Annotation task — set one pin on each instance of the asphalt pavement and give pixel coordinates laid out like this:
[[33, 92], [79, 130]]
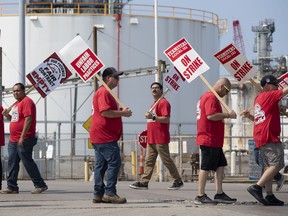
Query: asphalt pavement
[[74, 197]]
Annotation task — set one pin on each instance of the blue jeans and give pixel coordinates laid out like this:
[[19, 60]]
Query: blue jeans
[[17, 153], [107, 160]]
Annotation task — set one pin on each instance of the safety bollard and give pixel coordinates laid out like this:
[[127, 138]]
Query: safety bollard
[[133, 162], [86, 170], [141, 160], [233, 163]]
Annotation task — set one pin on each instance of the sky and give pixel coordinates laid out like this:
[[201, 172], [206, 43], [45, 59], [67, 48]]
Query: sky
[[248, 12]]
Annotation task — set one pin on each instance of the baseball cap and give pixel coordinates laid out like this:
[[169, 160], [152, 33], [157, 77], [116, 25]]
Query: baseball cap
[[111, 71], [269, 79]]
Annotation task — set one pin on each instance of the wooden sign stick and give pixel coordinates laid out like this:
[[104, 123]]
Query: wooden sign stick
[[215, 93], [110, 91], [156, 103], [256, 85]]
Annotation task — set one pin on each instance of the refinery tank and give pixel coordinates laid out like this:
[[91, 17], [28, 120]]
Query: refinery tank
[[126, 41]]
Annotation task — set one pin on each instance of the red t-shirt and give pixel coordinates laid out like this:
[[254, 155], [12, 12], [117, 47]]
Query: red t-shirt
[[267, 118], [158, 133], [209, 133], [2, 134], [104, 130], [26, 107]]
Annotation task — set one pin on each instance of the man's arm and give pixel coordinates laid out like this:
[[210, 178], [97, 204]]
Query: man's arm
[[116, 113], [5, 113], [221, 116]]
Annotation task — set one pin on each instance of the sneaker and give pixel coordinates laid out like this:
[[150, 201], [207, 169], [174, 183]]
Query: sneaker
[[39, 190], [280, 183], [200, 200], [224, 198], [97, 199], [176, 185], [256, 191], [9, 191], [271, 200], [139, 185], [113, 199]]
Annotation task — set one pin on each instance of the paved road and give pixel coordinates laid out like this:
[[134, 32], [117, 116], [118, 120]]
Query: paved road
[[74, 197]]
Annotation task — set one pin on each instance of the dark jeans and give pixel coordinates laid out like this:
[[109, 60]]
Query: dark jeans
[[259, 161], [107, 160], [17, 153]]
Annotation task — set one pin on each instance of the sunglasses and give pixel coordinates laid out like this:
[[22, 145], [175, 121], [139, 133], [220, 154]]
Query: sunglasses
[[227, 89]]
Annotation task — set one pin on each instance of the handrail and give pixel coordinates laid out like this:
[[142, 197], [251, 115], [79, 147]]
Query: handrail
[[103, 9]]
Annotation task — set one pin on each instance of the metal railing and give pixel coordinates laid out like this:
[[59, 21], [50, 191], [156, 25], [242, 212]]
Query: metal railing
[[104, 9], [55, 160]]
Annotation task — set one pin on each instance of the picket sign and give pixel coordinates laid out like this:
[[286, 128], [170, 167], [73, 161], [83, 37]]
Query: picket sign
[[47, 76], [84, 62], [237, 65], [190, 64]]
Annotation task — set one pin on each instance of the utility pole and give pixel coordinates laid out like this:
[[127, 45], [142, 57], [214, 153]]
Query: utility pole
[[96, 85], [22, 41]]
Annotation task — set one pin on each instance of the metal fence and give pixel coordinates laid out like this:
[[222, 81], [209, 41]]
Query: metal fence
[[55, 160]]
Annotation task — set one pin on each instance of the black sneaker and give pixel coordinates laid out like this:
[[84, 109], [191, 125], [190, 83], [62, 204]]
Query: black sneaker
[[139, 185], [224, 198], [271, 200], [176, 185], [256, 191], [204, 200]]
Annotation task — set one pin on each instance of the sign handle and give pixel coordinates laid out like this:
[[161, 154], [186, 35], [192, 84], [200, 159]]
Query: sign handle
[[110, 91], [156, 103], [256, 85], [215, 93]]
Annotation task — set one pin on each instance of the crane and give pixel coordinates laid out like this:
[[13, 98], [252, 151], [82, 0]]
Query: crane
[[238, 38]]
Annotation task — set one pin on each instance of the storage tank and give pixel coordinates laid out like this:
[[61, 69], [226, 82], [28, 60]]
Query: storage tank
[[125, 42]]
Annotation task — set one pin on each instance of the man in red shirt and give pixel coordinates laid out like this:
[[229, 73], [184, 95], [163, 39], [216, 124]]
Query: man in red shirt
[[158, 139], [105, 131], [210, 138], [21, 142], [2, 143], [266, 136]]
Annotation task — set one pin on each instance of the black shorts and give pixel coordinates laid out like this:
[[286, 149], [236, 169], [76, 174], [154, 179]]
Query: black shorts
[[212, 158]]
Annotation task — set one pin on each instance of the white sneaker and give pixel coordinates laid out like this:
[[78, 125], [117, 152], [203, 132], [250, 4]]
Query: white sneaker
[[280, 183]]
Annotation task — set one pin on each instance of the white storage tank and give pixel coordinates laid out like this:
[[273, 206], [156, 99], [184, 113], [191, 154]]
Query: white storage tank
[[126, 42]]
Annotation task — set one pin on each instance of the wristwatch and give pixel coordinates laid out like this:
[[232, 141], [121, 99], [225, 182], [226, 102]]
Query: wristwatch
[[154, 117]]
